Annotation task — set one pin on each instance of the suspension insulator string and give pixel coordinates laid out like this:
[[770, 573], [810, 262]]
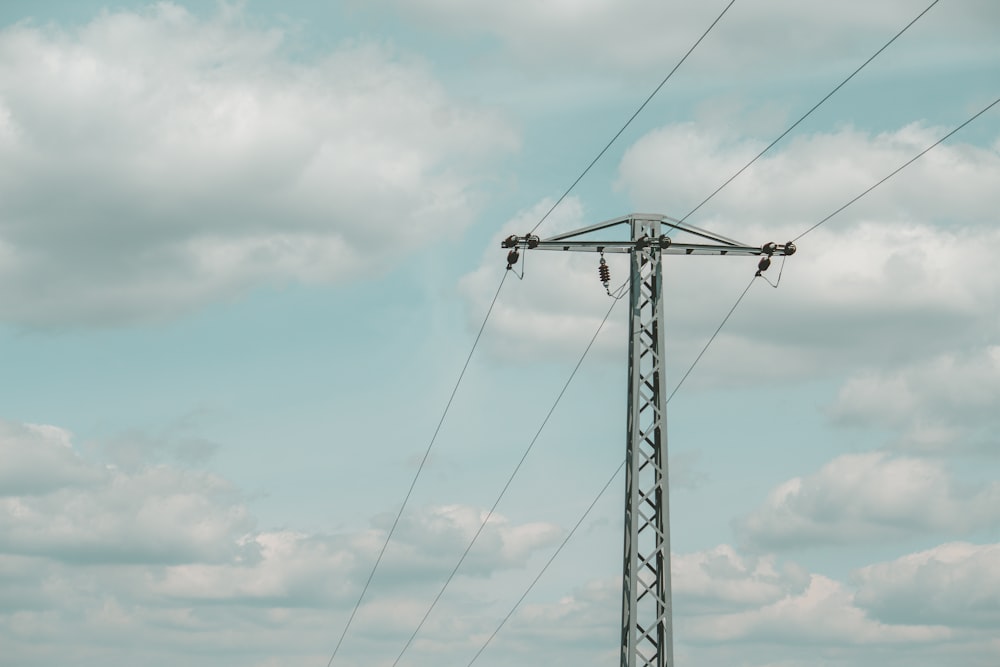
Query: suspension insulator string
[[604, 271]]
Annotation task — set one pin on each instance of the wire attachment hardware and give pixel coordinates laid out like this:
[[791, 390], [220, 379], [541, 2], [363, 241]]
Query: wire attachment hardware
[[529, 242]]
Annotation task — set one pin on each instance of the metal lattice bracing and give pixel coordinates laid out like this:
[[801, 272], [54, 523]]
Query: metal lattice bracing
[[647, 633], [647, 626]]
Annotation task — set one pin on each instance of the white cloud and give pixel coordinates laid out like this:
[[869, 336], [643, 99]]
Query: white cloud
[[294, 569], [157, 515], [153, 557], [705, 584], [770, 613], [139, 186], [811, 175], [721, 579], [870, 498], [38, 458], [823, 614], [435, 537], [902, 274], [146, 560], [944, 404], [632, 35], [956, 584], [583, 624]]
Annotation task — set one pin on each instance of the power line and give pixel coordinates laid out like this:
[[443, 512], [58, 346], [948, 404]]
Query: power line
[[698, 358], [603, 490], [676, 388], [737, 303], [543, 218], [486, 319], [547, 564], [690, 369], [506, 486], [712, 338], [808, 113], [629, 121], [903, 166], [416, 476]]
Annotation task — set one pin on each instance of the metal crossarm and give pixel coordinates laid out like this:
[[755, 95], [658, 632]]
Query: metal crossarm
[[647, 609]]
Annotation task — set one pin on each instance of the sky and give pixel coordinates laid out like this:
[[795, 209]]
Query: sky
[[246, 248]]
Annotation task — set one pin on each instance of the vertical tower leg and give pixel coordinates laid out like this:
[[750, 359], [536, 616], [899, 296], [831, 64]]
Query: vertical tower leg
[[647, 632]]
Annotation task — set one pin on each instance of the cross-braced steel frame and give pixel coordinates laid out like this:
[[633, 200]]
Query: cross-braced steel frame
[[647, 637], [647, 610]]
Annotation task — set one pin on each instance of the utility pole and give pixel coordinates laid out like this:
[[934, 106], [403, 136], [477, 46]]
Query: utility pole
[[647, 610]]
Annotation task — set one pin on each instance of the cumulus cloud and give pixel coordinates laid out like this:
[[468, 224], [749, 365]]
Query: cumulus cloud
[[57, 505], [899, 275], [823, 614], [811, 175], [869, 498], [895, 274], [39, 458], [956, 584], [721, 579], [771, 612], [946, 404], [583, 623], [292, 569], [437, 536], [76, 552], [138, 187], [706, 583], [166, 554], [748, 39], [53, 503]]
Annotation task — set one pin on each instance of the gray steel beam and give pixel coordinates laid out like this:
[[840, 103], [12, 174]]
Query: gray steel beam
[[628, 246], [647, 629]]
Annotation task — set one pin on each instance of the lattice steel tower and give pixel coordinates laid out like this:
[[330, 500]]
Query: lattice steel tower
[[647, 627]]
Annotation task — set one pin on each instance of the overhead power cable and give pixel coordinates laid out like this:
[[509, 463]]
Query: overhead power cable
[[603, 490], [416, 476], [903, 166], [506, 486], [631, 118], [808, 113], [486, 319], [695, 362], [712, 338], [547, 564]]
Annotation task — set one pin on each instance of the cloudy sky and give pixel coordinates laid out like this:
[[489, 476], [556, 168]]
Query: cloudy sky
[[245, 249]]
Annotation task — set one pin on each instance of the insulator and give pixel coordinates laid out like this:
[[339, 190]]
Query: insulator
[[605, 272], [532, 242], [510, 241], [790, 248], [665, 242], [763, 264], [512, 257], [641, 242], [769, 248]]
